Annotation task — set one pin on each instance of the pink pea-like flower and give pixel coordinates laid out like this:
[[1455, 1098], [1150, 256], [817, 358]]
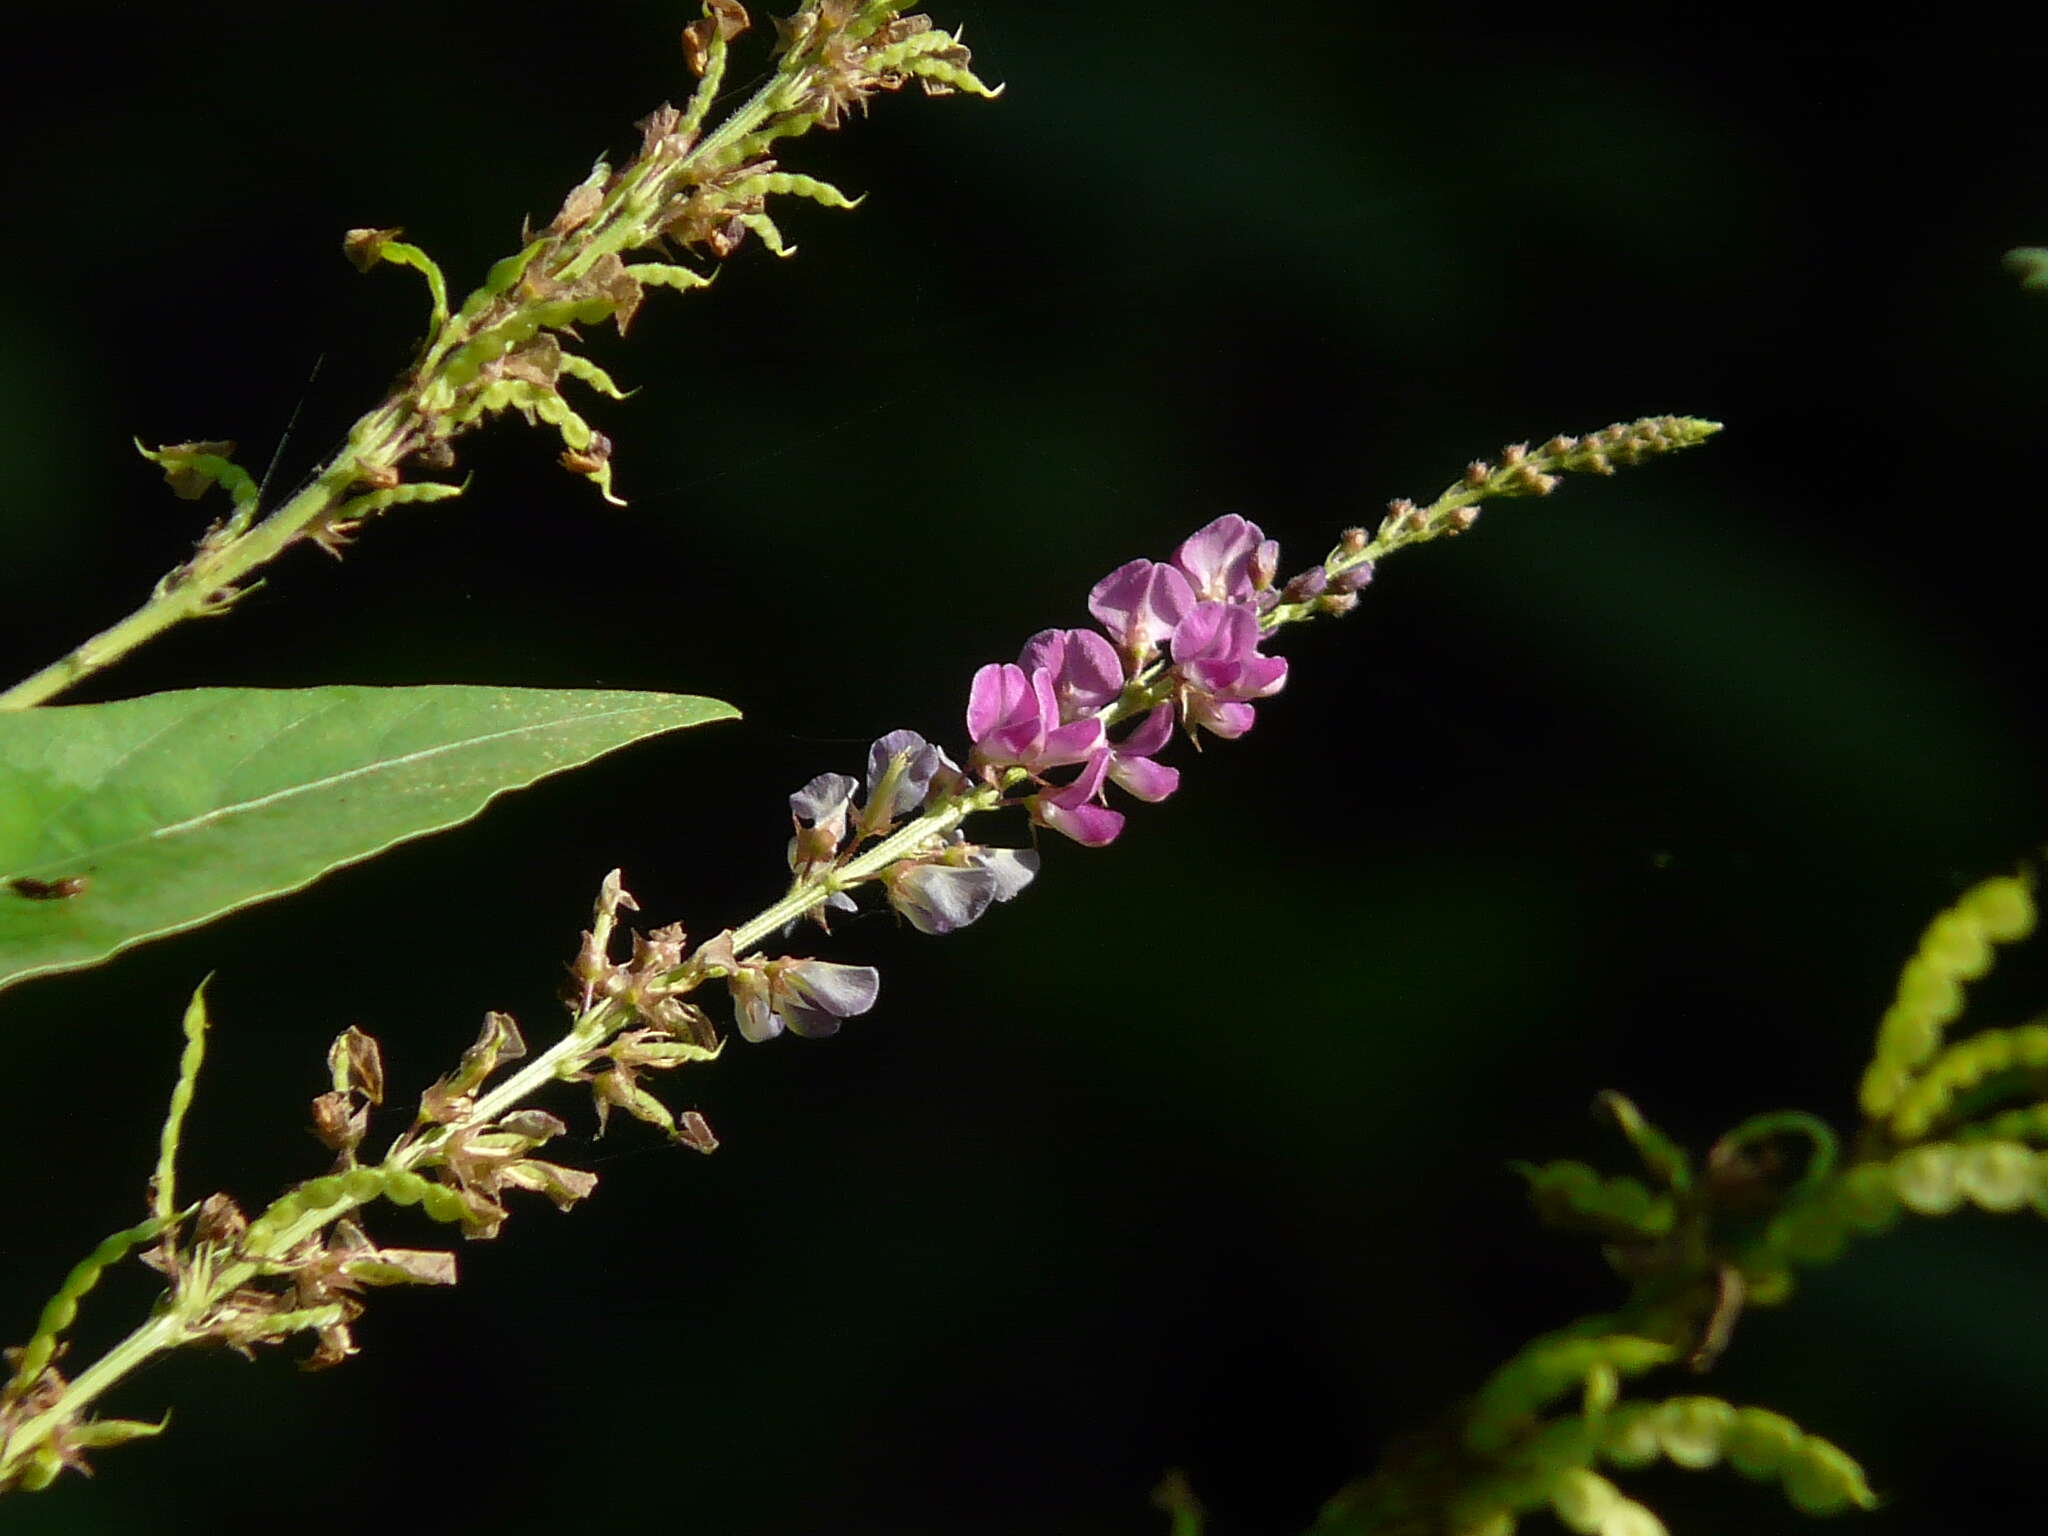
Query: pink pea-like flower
[[1139, 604], [1086, 675], [1229, 561], [1013, 719]]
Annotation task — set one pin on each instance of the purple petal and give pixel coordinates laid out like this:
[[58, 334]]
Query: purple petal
[[750, 1007], [1217, 560], [1093, 676], [1092, 826], [1085, 671], [1265, 564], [827, 987], [1047, 649], [1153, 732], [1203, 634], [1001, 693], [1139, 603], [921, 761], [1263, 676], [1143, 777], [1013, 868], [1117, 599], [1229, 721], [1070, 744], [823, 802]]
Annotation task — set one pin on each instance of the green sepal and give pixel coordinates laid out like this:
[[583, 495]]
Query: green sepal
[[790, 184], [618, 1089], [923, 56], [583, 369], [500, 280], [769, 232], [367, 505], [367, 247], [189, 468], [98, 1434], [662, 274]]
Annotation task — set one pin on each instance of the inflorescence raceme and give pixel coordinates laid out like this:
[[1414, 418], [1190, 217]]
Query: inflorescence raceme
[[1180, 644]]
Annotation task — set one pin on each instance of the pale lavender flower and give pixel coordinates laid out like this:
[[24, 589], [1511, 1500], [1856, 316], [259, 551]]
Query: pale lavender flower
[[942, 895], [891, 798], [822, 804], [809, 997], [1014, 718], [1139, 604], [1086, 675], [820, 811]]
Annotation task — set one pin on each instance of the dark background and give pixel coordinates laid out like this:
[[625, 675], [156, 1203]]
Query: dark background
[[1195, 1156]]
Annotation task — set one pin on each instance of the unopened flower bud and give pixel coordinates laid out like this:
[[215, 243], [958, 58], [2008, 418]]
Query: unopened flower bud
[[1354, 579], [1309, 583], [1354, 540], [1477, 473], [1264, 563], [1462, 518], [1335, 603]]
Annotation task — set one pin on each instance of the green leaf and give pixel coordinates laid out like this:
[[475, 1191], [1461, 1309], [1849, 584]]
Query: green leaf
[[124, 822]]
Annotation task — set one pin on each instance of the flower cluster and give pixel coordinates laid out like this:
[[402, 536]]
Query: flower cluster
[[1079, 709], [1179, 640], [1053, 707]]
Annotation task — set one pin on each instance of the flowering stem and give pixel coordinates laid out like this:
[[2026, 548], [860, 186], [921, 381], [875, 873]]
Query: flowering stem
[[188, 1311], [499, 351], [208, 583]]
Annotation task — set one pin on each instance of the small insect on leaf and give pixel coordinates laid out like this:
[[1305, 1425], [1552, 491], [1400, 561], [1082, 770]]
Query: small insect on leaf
[[49, 890]]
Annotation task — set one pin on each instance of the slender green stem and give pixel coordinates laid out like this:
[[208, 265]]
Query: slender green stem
[[185, 1306], [209, 582], [430, 405]]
